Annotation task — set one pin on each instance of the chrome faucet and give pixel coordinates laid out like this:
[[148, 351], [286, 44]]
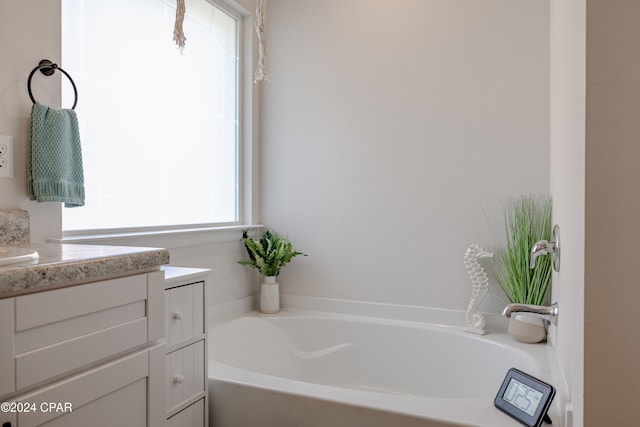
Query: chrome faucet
[[543, 247], [549, 313]]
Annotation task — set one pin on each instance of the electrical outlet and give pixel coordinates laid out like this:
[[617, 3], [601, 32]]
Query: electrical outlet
[[6, 156]]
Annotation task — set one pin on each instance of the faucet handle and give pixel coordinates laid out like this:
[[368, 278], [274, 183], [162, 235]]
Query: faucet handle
[[543, 247]]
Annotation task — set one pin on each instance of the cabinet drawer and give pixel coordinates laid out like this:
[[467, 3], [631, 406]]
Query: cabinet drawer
[[116, 391], [186, 374], [184, 312], [66, 329], [191, 416]]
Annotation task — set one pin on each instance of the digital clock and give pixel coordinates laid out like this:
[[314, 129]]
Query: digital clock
[[525, 398]]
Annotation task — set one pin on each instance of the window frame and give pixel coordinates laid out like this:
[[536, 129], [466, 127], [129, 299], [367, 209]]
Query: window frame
[[247, 94]]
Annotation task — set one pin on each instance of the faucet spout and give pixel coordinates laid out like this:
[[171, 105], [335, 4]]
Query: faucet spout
[[549, 313]]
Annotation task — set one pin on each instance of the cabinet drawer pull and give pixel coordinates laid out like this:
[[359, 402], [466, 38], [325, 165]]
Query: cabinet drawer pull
[[177, 315], [178, 378]]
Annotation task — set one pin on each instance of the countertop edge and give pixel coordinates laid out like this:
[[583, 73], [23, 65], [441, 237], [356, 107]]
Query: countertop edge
[[101, 262]]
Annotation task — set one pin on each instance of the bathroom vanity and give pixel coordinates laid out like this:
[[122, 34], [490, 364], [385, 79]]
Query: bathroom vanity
[[82, 337]]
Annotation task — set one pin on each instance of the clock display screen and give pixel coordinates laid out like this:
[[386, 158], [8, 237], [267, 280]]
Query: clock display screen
[[522, 396]]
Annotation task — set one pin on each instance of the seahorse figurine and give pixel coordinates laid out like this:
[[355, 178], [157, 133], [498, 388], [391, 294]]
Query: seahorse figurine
[[480, 286]]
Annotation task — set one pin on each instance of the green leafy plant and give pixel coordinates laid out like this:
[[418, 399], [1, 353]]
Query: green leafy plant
[[268, 254], [527, 220]]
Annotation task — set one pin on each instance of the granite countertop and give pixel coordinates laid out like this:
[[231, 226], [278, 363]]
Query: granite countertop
[[70, 264]]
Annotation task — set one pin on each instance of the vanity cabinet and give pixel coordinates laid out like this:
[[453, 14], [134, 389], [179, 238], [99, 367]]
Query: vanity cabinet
[[186, 351], [90, 354]]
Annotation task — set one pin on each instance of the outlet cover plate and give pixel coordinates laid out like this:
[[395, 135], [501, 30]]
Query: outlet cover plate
[[6, 156]]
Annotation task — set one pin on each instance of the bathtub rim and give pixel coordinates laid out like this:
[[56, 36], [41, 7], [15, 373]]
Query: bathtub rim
[[432, 315]]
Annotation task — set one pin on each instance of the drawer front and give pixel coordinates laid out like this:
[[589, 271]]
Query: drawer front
[[116, 391], [185, 374], [184, 312], [191, 416], [66, 329], [55, 360], [53, 306]]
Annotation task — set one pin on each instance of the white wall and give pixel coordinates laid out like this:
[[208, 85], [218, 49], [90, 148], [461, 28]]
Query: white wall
[[390, 129], [29, 32], [568, 187]]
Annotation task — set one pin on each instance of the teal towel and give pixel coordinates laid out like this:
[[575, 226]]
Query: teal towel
[[54, 157]]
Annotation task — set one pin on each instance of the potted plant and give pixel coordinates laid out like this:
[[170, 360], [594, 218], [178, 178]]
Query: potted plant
[[527, 220], [268, 255]]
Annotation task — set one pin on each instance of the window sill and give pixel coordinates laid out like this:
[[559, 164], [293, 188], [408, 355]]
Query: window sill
[[168, 239]]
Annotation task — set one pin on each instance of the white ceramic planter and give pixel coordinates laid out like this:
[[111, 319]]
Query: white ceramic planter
[[527, 329], [269, 295]]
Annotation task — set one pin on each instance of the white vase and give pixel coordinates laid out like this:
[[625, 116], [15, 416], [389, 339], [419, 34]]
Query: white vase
[[269, 295], [529, 329]]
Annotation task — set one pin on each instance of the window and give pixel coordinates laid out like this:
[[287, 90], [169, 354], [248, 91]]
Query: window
[[159, 129]]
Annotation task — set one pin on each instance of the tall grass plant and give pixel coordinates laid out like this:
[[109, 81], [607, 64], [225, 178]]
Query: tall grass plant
[[527, 220]]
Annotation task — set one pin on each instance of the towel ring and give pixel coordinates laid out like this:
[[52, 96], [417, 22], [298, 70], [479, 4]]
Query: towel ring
[[47, 68]]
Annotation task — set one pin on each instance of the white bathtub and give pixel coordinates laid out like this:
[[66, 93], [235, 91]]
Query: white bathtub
[[324, 369]]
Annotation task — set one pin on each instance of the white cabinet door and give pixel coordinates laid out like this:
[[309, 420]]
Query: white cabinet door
[[66, 347], [185, 374], [109, 395], [124, 407], [7, 318], [191, 416], [184, 313], [65, 329]]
